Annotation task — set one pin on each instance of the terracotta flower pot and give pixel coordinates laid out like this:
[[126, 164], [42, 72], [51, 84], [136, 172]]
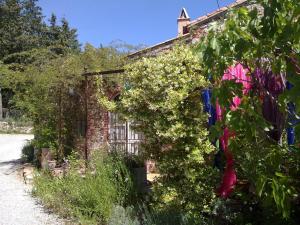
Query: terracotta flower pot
[[45, 158], [51, 164]]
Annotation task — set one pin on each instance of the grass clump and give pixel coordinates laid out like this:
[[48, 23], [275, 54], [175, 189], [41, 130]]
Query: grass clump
[[89, 196], [123, 216]]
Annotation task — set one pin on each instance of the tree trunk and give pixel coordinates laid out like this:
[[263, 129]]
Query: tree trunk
[[1, 109]]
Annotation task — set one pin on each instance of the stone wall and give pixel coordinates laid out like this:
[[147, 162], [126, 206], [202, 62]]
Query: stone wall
[[12, 127]]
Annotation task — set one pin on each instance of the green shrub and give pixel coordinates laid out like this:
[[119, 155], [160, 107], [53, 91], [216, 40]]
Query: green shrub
[[123, 216], [28, 152], [165, 97], [144, 215], [89, 197]]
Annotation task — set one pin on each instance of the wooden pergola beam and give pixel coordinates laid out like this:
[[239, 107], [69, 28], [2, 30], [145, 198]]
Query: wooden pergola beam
[[106, 72]]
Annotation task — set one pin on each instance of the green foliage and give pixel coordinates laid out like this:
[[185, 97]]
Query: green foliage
[[164, 96], [22, 29], [123, 216], [147, 216], [27, 40], [28, 152], [51, 93], [266, 37], [165, 216], [89, 197]]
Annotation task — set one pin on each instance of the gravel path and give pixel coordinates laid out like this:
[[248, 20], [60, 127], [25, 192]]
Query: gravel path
[[17, 207]]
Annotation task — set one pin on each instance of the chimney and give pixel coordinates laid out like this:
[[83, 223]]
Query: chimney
[[182, 22]]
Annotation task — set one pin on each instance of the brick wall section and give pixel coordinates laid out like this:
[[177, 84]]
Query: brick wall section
[[97, 117], [94, 117]]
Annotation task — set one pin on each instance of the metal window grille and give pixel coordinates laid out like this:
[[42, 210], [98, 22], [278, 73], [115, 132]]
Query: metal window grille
[[122, 136]]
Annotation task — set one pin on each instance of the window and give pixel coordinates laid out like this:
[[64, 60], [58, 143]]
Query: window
[[122, 136]]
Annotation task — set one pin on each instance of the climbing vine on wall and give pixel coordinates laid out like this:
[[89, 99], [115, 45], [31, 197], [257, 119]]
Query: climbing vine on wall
[[164, 96]]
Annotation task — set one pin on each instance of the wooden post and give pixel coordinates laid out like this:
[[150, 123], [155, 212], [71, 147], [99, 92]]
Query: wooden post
[[60, 125], [86, 120], [126, 136]]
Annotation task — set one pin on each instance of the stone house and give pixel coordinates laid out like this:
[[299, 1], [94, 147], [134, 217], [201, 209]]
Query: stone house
[[105, 128]]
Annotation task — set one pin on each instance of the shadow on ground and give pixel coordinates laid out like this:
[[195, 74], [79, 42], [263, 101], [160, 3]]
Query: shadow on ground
[[11, 166]]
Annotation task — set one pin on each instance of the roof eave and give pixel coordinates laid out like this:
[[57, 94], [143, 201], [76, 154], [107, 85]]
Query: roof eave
[[153, 47]]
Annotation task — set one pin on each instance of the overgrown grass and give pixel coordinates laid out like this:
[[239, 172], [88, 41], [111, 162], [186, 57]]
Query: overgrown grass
[[91, 197], [143, 215], [104, 194]]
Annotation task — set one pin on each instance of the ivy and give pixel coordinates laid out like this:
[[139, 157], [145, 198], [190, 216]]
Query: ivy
[[165, 98]]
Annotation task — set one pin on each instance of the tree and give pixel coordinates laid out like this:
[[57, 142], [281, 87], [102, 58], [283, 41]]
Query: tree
[[61, 39], [10, 27], [33, 24], [26, 39], [20, 28], [4, 72], [68, 36], [42, 91]]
